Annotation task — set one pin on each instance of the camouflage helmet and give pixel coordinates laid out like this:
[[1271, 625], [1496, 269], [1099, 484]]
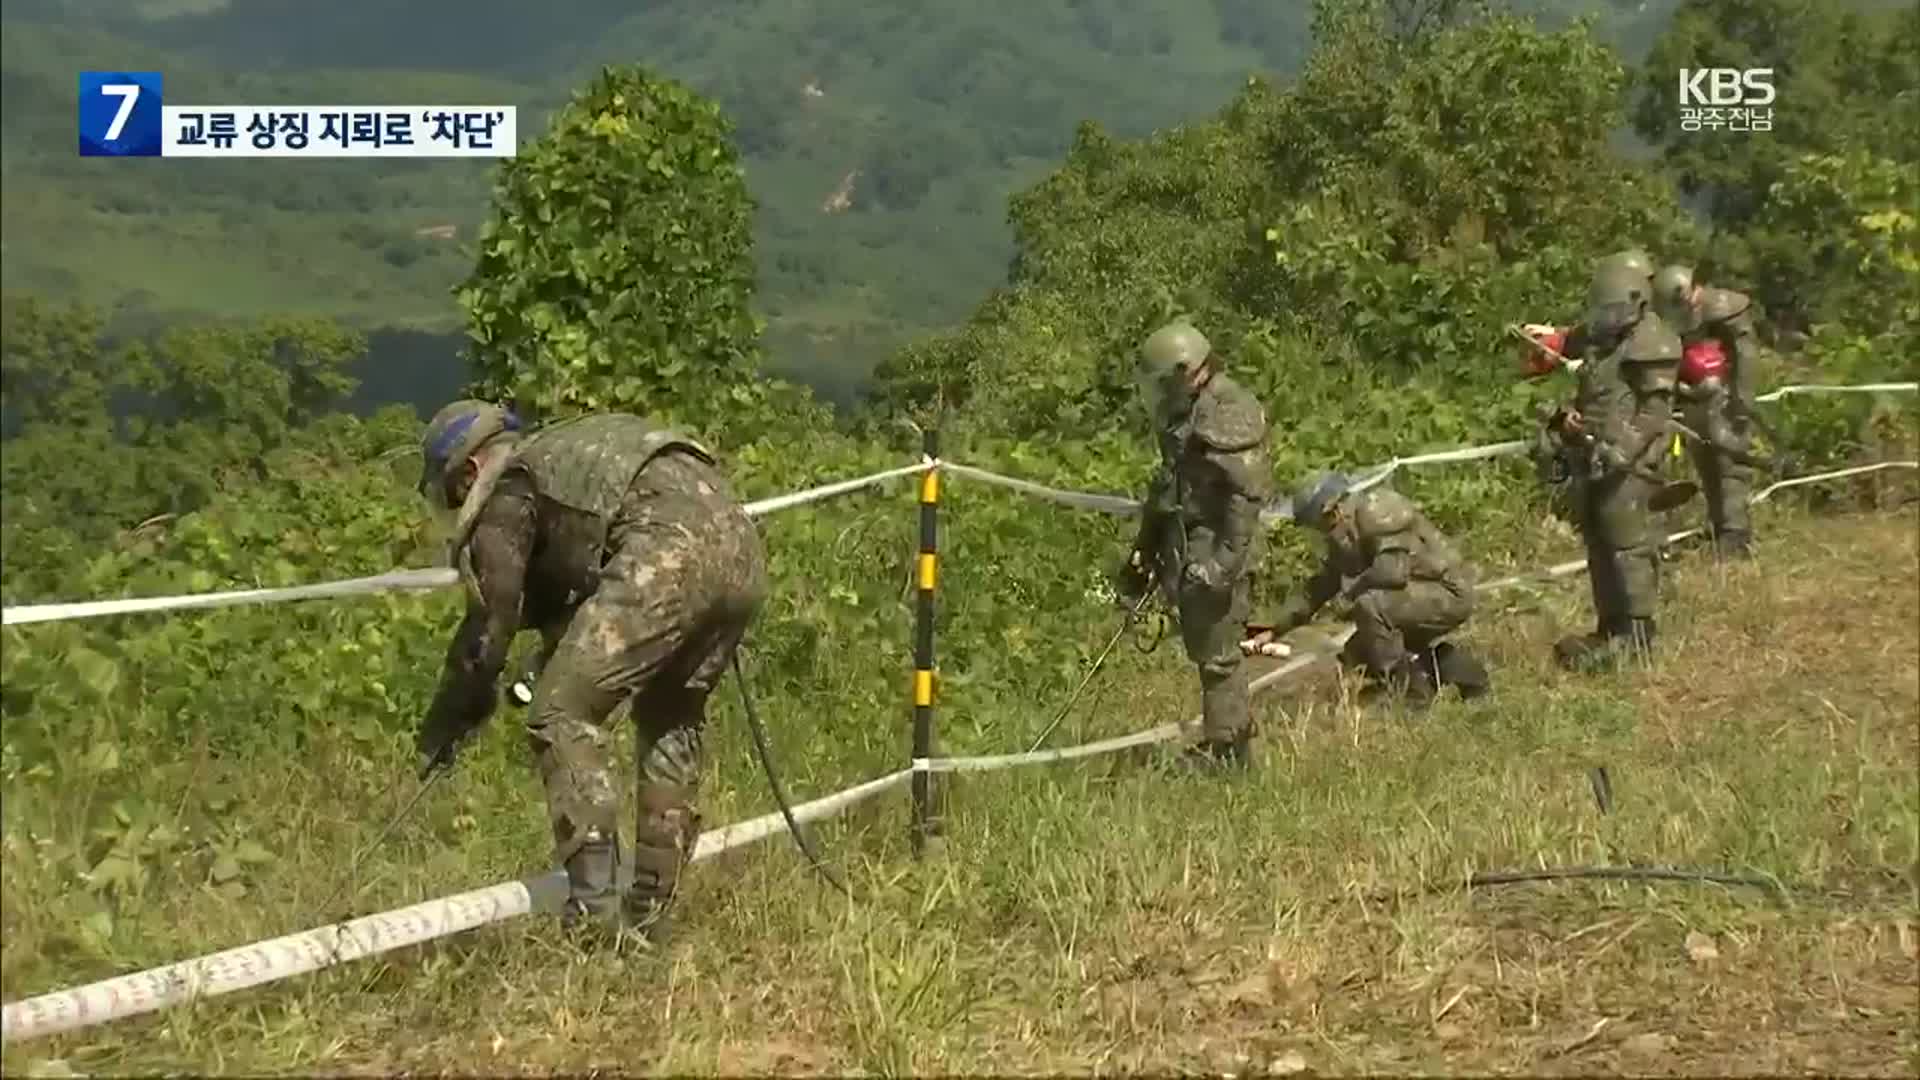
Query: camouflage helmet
[[1168, 356], [1175, 346], [1317, 496], [1673, 295], [453, 435], [1634, 259], [1616, 297]]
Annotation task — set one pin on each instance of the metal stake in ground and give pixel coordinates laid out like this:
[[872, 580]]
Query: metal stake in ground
[[1099, 661], [432, 772]]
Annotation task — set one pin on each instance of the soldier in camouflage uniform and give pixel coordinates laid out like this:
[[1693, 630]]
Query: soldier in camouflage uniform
[[622, 544], [1200, 530], [1721, 316], [1608, 439], [1408, 586]]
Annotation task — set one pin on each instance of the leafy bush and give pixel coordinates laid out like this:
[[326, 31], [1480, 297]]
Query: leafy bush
[[617, 270]]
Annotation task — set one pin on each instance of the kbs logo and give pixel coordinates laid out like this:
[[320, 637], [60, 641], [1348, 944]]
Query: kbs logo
[[1736, 99]]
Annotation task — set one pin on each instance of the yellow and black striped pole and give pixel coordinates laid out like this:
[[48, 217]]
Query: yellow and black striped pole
[[924, 824]]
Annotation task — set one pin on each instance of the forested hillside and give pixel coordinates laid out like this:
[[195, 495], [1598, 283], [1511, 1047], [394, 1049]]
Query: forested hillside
[[1354, 235], [928, 115]]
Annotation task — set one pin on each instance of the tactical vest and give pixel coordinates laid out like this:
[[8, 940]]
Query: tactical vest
[[1610, 386], [587, 464]]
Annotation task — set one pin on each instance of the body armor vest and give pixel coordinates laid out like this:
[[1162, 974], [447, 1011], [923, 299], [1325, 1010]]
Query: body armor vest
[[585, 466]]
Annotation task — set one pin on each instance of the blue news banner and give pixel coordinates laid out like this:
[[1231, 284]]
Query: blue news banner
[[124, 114]]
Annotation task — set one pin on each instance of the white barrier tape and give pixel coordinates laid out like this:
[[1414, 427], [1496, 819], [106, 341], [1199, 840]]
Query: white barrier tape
[[828, 491], [1282, 510], [1857, 470], [1081, 500], [1559, 570], [326, 946], [428, 578], [262, 962], [1110, 504], [395, 580], [1862, 388], [1148, 737], [741, 833]]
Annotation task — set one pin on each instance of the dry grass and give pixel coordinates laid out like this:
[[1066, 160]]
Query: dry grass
[[1119, 917]]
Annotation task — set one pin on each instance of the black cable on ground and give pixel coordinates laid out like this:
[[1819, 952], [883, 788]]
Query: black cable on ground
[[773, 781]]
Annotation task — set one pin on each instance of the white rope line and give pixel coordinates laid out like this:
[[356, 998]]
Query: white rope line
[[1282, 509], [428, 578], [440, 578], [296, 954], [326, 946], [1080, 500], [1858, 388]]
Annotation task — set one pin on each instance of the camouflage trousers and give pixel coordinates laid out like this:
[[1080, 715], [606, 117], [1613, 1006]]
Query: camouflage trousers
[[1623, 557], [1726, 483], [684, 576], [1212, 623], [1388, 624]]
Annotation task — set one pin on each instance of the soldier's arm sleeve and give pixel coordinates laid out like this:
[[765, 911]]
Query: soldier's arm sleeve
[[1719, 434], [502, 541], [1385, 524], [1155, 510], [1323, 586], [1240, 523], [1738, 337]]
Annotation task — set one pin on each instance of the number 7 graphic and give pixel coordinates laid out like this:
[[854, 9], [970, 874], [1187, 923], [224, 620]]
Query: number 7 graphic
[[128, 93], [120, 114]]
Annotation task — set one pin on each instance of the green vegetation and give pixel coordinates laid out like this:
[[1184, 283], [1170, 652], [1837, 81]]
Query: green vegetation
[[935, 110], [1355, 238]]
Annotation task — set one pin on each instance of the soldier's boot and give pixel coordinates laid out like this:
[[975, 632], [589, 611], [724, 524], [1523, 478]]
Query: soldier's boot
[[1218, 755], [1576, 652], [1226, 717], [1410, 682], [593, 873], [668, 830], [1733, 544], [1460, 669], [1629, 641]]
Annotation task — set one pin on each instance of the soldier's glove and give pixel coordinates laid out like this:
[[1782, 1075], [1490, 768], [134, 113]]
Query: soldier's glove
[[1131, 580], [439, 737], [1203, 574], [1607, 459]]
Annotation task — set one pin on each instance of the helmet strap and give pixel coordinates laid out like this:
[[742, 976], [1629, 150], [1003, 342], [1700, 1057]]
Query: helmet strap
[[495, 456]]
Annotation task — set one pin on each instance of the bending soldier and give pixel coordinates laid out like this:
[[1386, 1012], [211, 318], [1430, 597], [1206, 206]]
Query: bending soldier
[[1408, 587], [1200, 530], [623, 545], [1702, 315], [1620, 416]]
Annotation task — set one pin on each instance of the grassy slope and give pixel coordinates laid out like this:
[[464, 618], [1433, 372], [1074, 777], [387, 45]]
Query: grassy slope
[[1108, 917]]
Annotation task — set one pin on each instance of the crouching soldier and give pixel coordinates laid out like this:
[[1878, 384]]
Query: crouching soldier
[[1408, 587], [622, 543], [1200, 531]]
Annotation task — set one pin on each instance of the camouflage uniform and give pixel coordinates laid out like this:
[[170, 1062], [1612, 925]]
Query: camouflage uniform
[[1624, 404], [1200, 528], [1408, 585], [1726, 473], [623, 545]]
